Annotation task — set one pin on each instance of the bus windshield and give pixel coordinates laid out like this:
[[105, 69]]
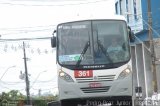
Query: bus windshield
[[92, 42]]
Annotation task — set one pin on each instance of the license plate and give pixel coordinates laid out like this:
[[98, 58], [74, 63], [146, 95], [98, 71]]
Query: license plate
[[95, 85], [83, 73]]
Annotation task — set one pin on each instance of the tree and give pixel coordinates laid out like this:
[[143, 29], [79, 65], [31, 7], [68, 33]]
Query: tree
[[11, 97], [17, 98]]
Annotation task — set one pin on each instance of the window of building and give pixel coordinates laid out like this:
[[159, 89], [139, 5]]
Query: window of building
[[116, 7], [120, 5], [127, 10], [135, 9]]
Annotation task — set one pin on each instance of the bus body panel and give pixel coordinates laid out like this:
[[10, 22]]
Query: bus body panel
[[105, 82], [117, 87], [97, 17]]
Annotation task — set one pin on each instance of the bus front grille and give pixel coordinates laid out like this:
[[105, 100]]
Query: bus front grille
[[96, 89], [96, 79]]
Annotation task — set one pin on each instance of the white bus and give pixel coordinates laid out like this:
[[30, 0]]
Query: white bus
[[90, 72]]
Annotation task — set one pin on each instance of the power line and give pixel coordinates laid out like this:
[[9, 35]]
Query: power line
[[26, 27], [5, 87], [42, 81], [24, 39], [46, 89], [151, 29], [5, 3], [25, 31], [20, 82], [11, 83], [149, 26]]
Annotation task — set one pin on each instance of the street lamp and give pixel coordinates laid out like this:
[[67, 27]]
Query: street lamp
[[38, 77], [6, 71]]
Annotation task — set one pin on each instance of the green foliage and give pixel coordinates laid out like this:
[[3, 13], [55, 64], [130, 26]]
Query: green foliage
[[12, 97], [15, 97]]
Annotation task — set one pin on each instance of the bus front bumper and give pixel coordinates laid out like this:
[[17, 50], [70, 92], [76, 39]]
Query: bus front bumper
[[73, 90]]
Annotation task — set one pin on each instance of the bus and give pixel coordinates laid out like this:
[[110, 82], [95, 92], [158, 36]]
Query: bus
[[90, 73]]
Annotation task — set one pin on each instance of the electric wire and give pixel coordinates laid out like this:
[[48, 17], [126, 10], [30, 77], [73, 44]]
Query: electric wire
[[4, 87], [152, 29], [11, 83], [141, 40], [16, 28], [69, 4], [26, 31], [24, 39], [45, 89], [20, 82]]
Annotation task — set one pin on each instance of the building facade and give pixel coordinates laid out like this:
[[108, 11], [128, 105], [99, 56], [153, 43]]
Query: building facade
[[136, 13], [132, 10]]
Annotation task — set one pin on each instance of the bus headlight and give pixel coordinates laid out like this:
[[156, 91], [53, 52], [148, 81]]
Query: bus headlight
[[65, 76], [124, 73]]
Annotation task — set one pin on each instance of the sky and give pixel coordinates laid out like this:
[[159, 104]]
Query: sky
[[21, 19]]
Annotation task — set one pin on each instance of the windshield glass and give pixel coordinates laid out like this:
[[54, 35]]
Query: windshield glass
[[93, 42]]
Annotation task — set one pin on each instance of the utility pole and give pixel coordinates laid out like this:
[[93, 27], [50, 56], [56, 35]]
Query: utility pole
[[26, 76], [153, 67]]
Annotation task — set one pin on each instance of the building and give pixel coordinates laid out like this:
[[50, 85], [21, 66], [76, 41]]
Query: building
[[132, 11], [136, 13]]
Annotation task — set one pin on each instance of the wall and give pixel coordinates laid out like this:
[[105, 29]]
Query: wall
[[141, 66], [157, 53]]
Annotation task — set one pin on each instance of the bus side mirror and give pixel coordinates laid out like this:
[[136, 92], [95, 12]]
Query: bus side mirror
[[131, 35], [53, 40]]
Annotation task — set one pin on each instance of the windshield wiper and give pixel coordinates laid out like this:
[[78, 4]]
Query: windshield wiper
[[103, 49], [82, 53]]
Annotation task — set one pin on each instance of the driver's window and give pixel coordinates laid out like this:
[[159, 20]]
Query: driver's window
[[115, 49], [114, 44]]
